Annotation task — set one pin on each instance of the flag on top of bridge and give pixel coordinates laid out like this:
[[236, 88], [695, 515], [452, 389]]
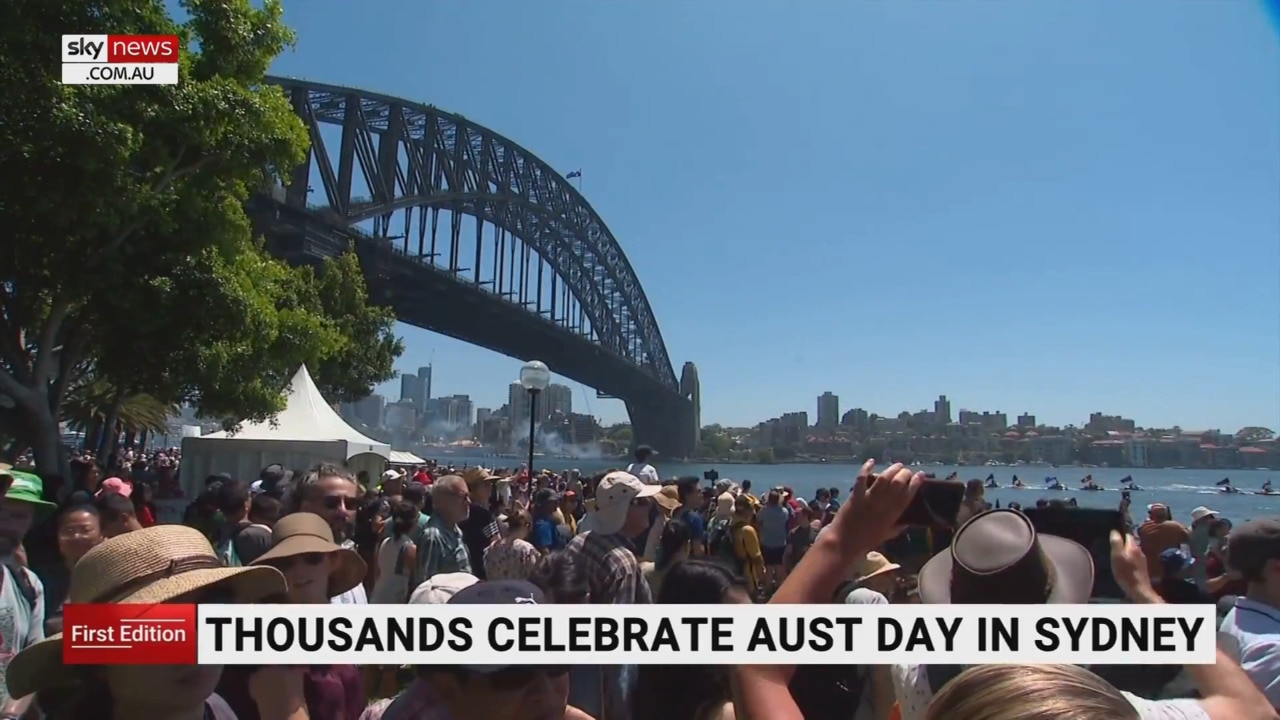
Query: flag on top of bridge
[[574, 174]]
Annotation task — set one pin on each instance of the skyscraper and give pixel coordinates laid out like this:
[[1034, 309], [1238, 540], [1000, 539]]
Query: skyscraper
[[518, 401], [555, 399], [410, 389], [828, 410], [942, 410], [424, 376]]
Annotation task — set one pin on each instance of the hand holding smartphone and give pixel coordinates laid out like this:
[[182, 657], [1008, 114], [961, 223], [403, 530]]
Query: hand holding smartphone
[[936, 504]]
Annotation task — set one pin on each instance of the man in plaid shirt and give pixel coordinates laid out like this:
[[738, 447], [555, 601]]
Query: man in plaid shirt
[[612, 568]]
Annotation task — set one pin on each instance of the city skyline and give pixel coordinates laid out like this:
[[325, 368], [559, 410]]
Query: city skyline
[[496, 399], [1026, 228]]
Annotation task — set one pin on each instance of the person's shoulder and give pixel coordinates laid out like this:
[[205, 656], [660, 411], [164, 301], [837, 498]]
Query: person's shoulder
[[572, 713], [1182, 709]]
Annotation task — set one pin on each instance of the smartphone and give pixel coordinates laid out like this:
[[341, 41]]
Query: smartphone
[[1091, 528], [936, 504]]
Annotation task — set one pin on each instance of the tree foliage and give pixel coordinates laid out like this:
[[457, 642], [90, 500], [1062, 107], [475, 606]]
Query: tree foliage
[[127, 246], [1254, 434]]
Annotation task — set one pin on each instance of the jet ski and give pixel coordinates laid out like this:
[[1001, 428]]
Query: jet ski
[[1266, 492], [1232, 491], [991, 485], [1093, 488]]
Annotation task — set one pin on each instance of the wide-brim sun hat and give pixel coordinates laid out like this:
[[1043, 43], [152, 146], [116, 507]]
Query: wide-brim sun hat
[[304, 533], [997, 557], [149, 566]]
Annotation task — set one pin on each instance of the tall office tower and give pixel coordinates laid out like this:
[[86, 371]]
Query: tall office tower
[[518, 401], [828, 410], [424, 375], [942, 410], [409, 389], [556, 399]]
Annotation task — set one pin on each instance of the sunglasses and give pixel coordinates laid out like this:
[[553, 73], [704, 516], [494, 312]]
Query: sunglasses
[[333, 502], [517, 678], [311, 559]]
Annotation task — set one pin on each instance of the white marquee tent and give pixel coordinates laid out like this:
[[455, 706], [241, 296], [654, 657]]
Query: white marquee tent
[[306, 433]]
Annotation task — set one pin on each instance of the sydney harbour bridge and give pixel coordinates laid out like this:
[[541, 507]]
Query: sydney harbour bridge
[[465, 233]]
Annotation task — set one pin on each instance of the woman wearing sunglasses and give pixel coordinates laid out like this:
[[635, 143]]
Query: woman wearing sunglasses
[[316, 569]]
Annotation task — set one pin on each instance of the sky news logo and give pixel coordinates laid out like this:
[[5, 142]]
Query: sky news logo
[[120, 59]]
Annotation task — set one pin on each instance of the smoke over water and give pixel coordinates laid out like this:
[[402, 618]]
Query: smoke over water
[[550, 443]]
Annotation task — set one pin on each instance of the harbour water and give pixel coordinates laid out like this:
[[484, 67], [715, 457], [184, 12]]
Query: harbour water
[[1181, 490]]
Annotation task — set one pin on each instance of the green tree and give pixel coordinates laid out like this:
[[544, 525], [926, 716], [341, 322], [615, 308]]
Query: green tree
[[368, 346], [127, 248], [1253, 434], [763, 456]]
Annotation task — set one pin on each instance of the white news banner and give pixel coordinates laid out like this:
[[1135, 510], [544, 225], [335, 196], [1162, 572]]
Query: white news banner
[[705, 634]]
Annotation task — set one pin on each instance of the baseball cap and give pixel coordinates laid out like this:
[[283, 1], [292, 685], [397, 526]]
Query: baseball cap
[[498, 592], [613, 498], [1252, 544], [442, 588], [1175, 560], [114, 485]]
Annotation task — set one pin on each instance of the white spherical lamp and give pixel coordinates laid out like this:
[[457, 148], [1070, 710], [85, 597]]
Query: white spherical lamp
[[535, 376]]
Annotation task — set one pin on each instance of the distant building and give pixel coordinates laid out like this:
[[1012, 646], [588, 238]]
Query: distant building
[[1027, 420], [942, 410], [411, 389], [518, 402], [858, 419], [828, 410], [424, 380], [583, 429], [555, 400], [370, 410], [401, 416]]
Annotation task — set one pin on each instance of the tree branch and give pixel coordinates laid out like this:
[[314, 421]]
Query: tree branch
[[48, 336], [11, 346], [170, 176], [68, 360]]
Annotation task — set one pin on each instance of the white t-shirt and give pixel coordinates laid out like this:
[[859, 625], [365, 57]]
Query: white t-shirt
[[647, 473], [1250, 634], [354, 596], [911, 685], [20, 626]]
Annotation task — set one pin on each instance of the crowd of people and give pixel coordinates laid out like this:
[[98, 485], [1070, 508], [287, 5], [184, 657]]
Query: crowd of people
[[436, 534]]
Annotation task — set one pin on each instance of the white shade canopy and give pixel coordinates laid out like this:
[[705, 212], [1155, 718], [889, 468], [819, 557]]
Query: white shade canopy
[[306, 433]]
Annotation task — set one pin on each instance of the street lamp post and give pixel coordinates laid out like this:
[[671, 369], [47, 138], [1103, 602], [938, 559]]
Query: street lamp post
[[534, 378]]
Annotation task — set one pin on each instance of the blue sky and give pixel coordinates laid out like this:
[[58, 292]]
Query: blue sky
[[1059, 206]]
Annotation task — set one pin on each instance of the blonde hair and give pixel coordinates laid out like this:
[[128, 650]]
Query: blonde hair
[[1029, 692]]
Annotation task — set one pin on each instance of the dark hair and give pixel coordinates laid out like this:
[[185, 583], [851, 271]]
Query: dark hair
[[675, 536], [265, 507], [685, 692], [306, 489], [415, 493], [404, 518], [562, 580], [773, 498], [68, 510], [698, 582], [114, 507], [687, 488], [232, 497]]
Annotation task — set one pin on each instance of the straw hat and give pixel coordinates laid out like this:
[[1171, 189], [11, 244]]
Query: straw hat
[[872, 565], [303, 533], [478, 474], [153, 565]]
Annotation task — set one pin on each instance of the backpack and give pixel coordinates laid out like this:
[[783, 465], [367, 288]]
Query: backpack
[[22, 581], [227, 548], [721, 546]]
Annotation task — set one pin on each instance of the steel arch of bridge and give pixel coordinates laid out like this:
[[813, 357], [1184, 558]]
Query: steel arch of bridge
[[412, 155]]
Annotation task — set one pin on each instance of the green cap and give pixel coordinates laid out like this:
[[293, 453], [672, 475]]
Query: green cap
[[26, 488]]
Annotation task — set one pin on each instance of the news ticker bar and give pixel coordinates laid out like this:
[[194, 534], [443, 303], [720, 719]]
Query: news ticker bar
[[638, 634]]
